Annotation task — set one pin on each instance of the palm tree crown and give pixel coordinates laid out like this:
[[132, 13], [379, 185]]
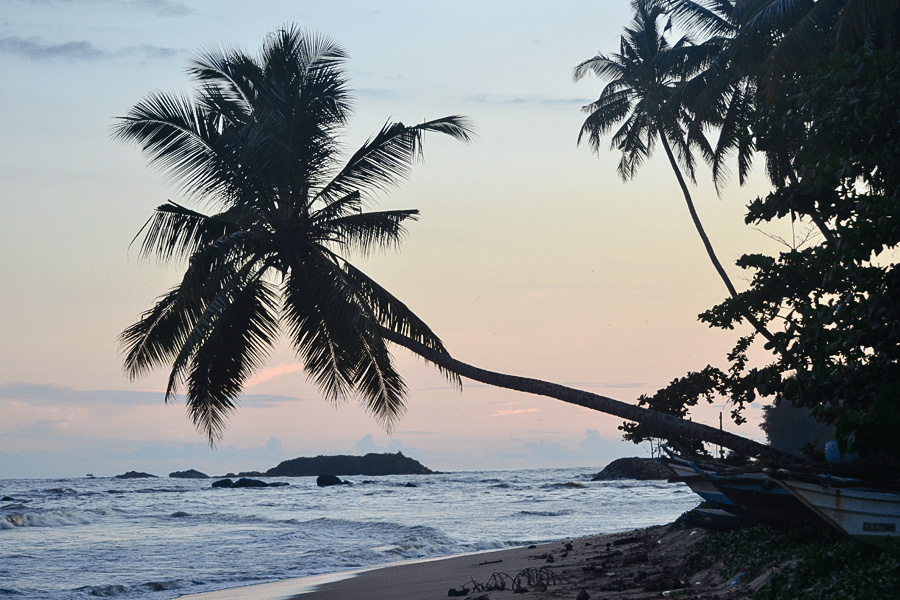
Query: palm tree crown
[[258, 144], [642, 78]]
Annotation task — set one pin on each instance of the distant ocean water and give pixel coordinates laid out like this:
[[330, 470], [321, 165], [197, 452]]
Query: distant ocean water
[[164, 538]]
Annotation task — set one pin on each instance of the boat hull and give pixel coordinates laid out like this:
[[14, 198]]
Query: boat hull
[[869, 515], [765, 500]]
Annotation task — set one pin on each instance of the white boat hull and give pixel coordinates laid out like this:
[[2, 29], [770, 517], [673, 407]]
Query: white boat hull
[[867, 514]]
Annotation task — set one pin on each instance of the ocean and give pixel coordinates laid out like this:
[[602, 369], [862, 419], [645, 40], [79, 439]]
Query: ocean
[[165, 538]]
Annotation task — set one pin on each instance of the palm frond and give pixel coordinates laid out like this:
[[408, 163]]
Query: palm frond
[[612, 106], [156, 338], [364, 231], [396, 316], [804, 40], [239, 330], [214, 300], [387, 157], [321, 317], [707, 19], [178, 231], [177, 136]]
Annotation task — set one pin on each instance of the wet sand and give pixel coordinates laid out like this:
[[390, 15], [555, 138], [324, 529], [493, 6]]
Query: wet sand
[[637, 565]]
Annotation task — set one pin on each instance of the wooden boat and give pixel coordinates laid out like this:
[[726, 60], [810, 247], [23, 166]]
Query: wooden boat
[[868, 511], [746, 492], [685, 473], [764, 499]]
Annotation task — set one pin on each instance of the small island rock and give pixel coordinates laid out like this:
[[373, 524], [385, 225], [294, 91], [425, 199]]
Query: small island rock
[[134, 475], [327, 480], [223, 483], [370, 464], [189, 474], [244, 482], [633, 468]]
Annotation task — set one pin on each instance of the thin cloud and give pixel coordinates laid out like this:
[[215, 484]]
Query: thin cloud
[[541, 101], [515, 411], [163, 8], [56, 394], [35, 49], [272, 372]]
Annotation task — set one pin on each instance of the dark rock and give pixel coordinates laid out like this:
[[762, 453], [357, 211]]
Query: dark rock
[[583, 595], [246, 483], [279, 484], [410, 484], [328, 480], [481, 597], [223, 483], [6, 499], [189, 474], [568, 546], [633, 468], [520, 590], [453, 592], [134, 475], [370, 464]]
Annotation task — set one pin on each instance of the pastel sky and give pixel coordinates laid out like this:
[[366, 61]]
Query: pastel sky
[[530, 257]]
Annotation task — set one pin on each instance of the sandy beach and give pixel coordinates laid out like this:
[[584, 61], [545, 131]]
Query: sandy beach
[[637, 565]]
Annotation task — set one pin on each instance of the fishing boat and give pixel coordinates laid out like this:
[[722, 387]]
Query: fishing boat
[[686, 473], [868, 511], [746, 492], [764, 499]]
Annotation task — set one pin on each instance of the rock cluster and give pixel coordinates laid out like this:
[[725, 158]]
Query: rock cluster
[[189, 474], [247, 483], [328, 480], [134, 475], [633, 468]]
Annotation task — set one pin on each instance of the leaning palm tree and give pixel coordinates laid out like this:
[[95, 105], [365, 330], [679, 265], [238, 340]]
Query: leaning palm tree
[[644, 94], [642, 80], [258, 146]]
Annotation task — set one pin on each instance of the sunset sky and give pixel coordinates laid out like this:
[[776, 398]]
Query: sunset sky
[[530, 256]]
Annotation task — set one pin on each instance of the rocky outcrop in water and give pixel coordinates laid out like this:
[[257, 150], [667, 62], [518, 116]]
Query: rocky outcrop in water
[[370, 464], [189, 474], [329, 480], [633, 468], [134, 475]]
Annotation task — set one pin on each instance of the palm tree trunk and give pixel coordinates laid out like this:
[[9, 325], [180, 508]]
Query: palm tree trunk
[[662, 423], [690, 204], [712, 254]]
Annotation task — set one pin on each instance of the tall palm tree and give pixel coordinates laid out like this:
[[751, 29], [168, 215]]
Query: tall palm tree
[[642, 80], [258, 145]]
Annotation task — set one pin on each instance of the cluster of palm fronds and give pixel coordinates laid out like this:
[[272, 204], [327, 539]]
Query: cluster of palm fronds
[[258, 143]]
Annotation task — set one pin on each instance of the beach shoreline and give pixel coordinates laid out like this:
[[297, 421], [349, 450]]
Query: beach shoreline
[[638, 564]]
